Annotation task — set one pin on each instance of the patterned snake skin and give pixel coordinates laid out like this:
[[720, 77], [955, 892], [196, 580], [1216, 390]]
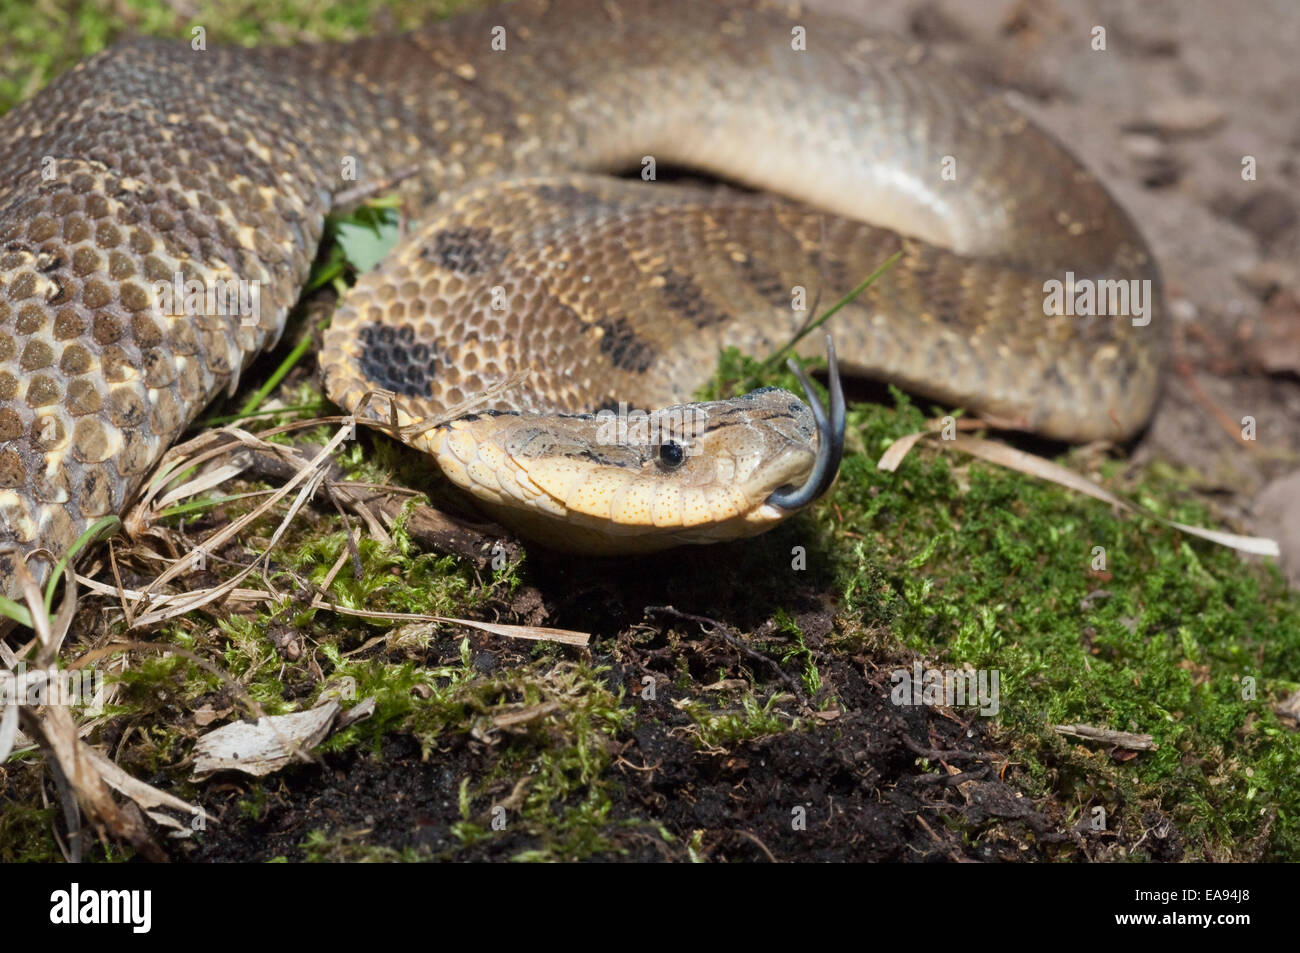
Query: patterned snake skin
[[153, 159]]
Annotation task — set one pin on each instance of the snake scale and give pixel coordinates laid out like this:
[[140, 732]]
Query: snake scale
[[154, 159]]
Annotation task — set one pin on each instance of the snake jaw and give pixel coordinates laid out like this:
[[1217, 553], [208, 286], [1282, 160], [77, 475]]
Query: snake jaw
[[830, 438]]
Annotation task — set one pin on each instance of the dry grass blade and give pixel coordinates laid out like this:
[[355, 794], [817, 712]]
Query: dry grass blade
[[146, 795], [401, 424], [306, 482], [10, 692], [140, 595], [1121, 739], [47, 649], [82, 774], [205, 481], [533, 632], [212, 445], [150, 605], [523, 716], [1031, 465]]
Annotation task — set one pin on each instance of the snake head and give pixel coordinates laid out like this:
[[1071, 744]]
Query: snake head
[[629, 481]]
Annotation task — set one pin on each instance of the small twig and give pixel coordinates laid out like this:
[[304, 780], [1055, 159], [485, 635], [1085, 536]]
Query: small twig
[[736, 644], [954, 779], [934, 754], [761, 846], [365, 190], [434, 529], [1120, 739]]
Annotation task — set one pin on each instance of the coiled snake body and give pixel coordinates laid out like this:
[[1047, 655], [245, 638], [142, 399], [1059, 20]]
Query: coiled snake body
[[155, 159]]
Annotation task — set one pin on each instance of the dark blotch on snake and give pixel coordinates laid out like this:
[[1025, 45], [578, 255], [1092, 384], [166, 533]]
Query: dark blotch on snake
[[572, 198], [766, 283], [469, 251], [685, 297], [391, 358], [623, 347]]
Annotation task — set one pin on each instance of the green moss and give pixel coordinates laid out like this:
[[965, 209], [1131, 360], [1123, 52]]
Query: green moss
[[325, 847], [554, 766], [25, 830], [752, 720], [976, 565], [812, 680]]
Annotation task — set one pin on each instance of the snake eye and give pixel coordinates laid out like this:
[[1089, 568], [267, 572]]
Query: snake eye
[[671, 455]]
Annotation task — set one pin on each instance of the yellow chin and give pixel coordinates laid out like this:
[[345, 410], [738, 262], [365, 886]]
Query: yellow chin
[[593, 536]]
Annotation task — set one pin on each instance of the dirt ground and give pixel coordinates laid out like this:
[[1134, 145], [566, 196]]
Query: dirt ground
[[1184, 91]]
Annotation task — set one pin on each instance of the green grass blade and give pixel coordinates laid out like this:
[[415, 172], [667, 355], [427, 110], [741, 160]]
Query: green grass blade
[[100, 529], [291, 359], [780, 355]]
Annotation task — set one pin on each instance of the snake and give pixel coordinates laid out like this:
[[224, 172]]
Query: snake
[[550, 278]]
